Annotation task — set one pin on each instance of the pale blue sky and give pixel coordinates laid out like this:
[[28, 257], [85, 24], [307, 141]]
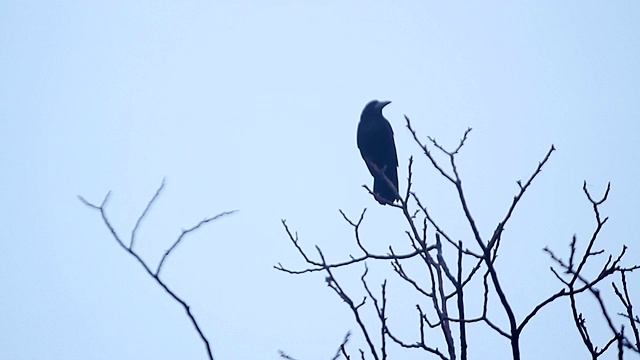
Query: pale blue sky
[[254, 106]]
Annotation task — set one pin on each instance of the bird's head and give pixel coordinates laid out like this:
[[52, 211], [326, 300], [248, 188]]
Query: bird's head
[[374, 108]]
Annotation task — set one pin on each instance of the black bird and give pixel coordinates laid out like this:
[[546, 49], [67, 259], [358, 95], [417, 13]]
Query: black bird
[[375, 141]]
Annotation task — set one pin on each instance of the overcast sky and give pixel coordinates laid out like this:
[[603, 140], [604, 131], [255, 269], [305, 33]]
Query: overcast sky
[[254, 106]]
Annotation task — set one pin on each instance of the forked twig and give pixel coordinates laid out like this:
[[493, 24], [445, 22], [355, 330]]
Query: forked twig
[[156, 275]]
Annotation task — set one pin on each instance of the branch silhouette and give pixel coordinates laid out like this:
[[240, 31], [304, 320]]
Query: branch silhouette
[[445, 288], [156, 274]]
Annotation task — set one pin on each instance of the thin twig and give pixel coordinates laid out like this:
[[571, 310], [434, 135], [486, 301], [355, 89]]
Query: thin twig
[[155, 275]]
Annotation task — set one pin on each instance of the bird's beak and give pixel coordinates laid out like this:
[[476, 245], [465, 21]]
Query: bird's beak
[[384, 103]]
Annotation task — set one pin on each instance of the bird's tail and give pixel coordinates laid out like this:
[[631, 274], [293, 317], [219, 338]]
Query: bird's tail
[[381, 187]]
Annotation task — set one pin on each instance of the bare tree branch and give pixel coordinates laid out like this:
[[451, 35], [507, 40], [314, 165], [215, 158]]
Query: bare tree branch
[[144, 213], [189, 231], [447, 282], [155, 275]]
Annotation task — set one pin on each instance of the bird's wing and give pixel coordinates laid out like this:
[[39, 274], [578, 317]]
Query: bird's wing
[[389, 143]]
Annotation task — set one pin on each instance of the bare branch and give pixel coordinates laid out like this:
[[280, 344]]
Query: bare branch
[[341, 348], [446, 283], [333, 284], [320, 265], [516, 199], [625, 299], [427, 152], [144, 213], [155, 276], [188, 231]]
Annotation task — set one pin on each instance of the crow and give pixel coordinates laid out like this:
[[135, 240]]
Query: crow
[[375, 141]]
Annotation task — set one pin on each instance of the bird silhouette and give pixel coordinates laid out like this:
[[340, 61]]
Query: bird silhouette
[[378, 149]]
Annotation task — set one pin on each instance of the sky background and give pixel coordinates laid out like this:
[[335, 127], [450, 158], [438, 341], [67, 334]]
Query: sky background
[[254, 106]]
